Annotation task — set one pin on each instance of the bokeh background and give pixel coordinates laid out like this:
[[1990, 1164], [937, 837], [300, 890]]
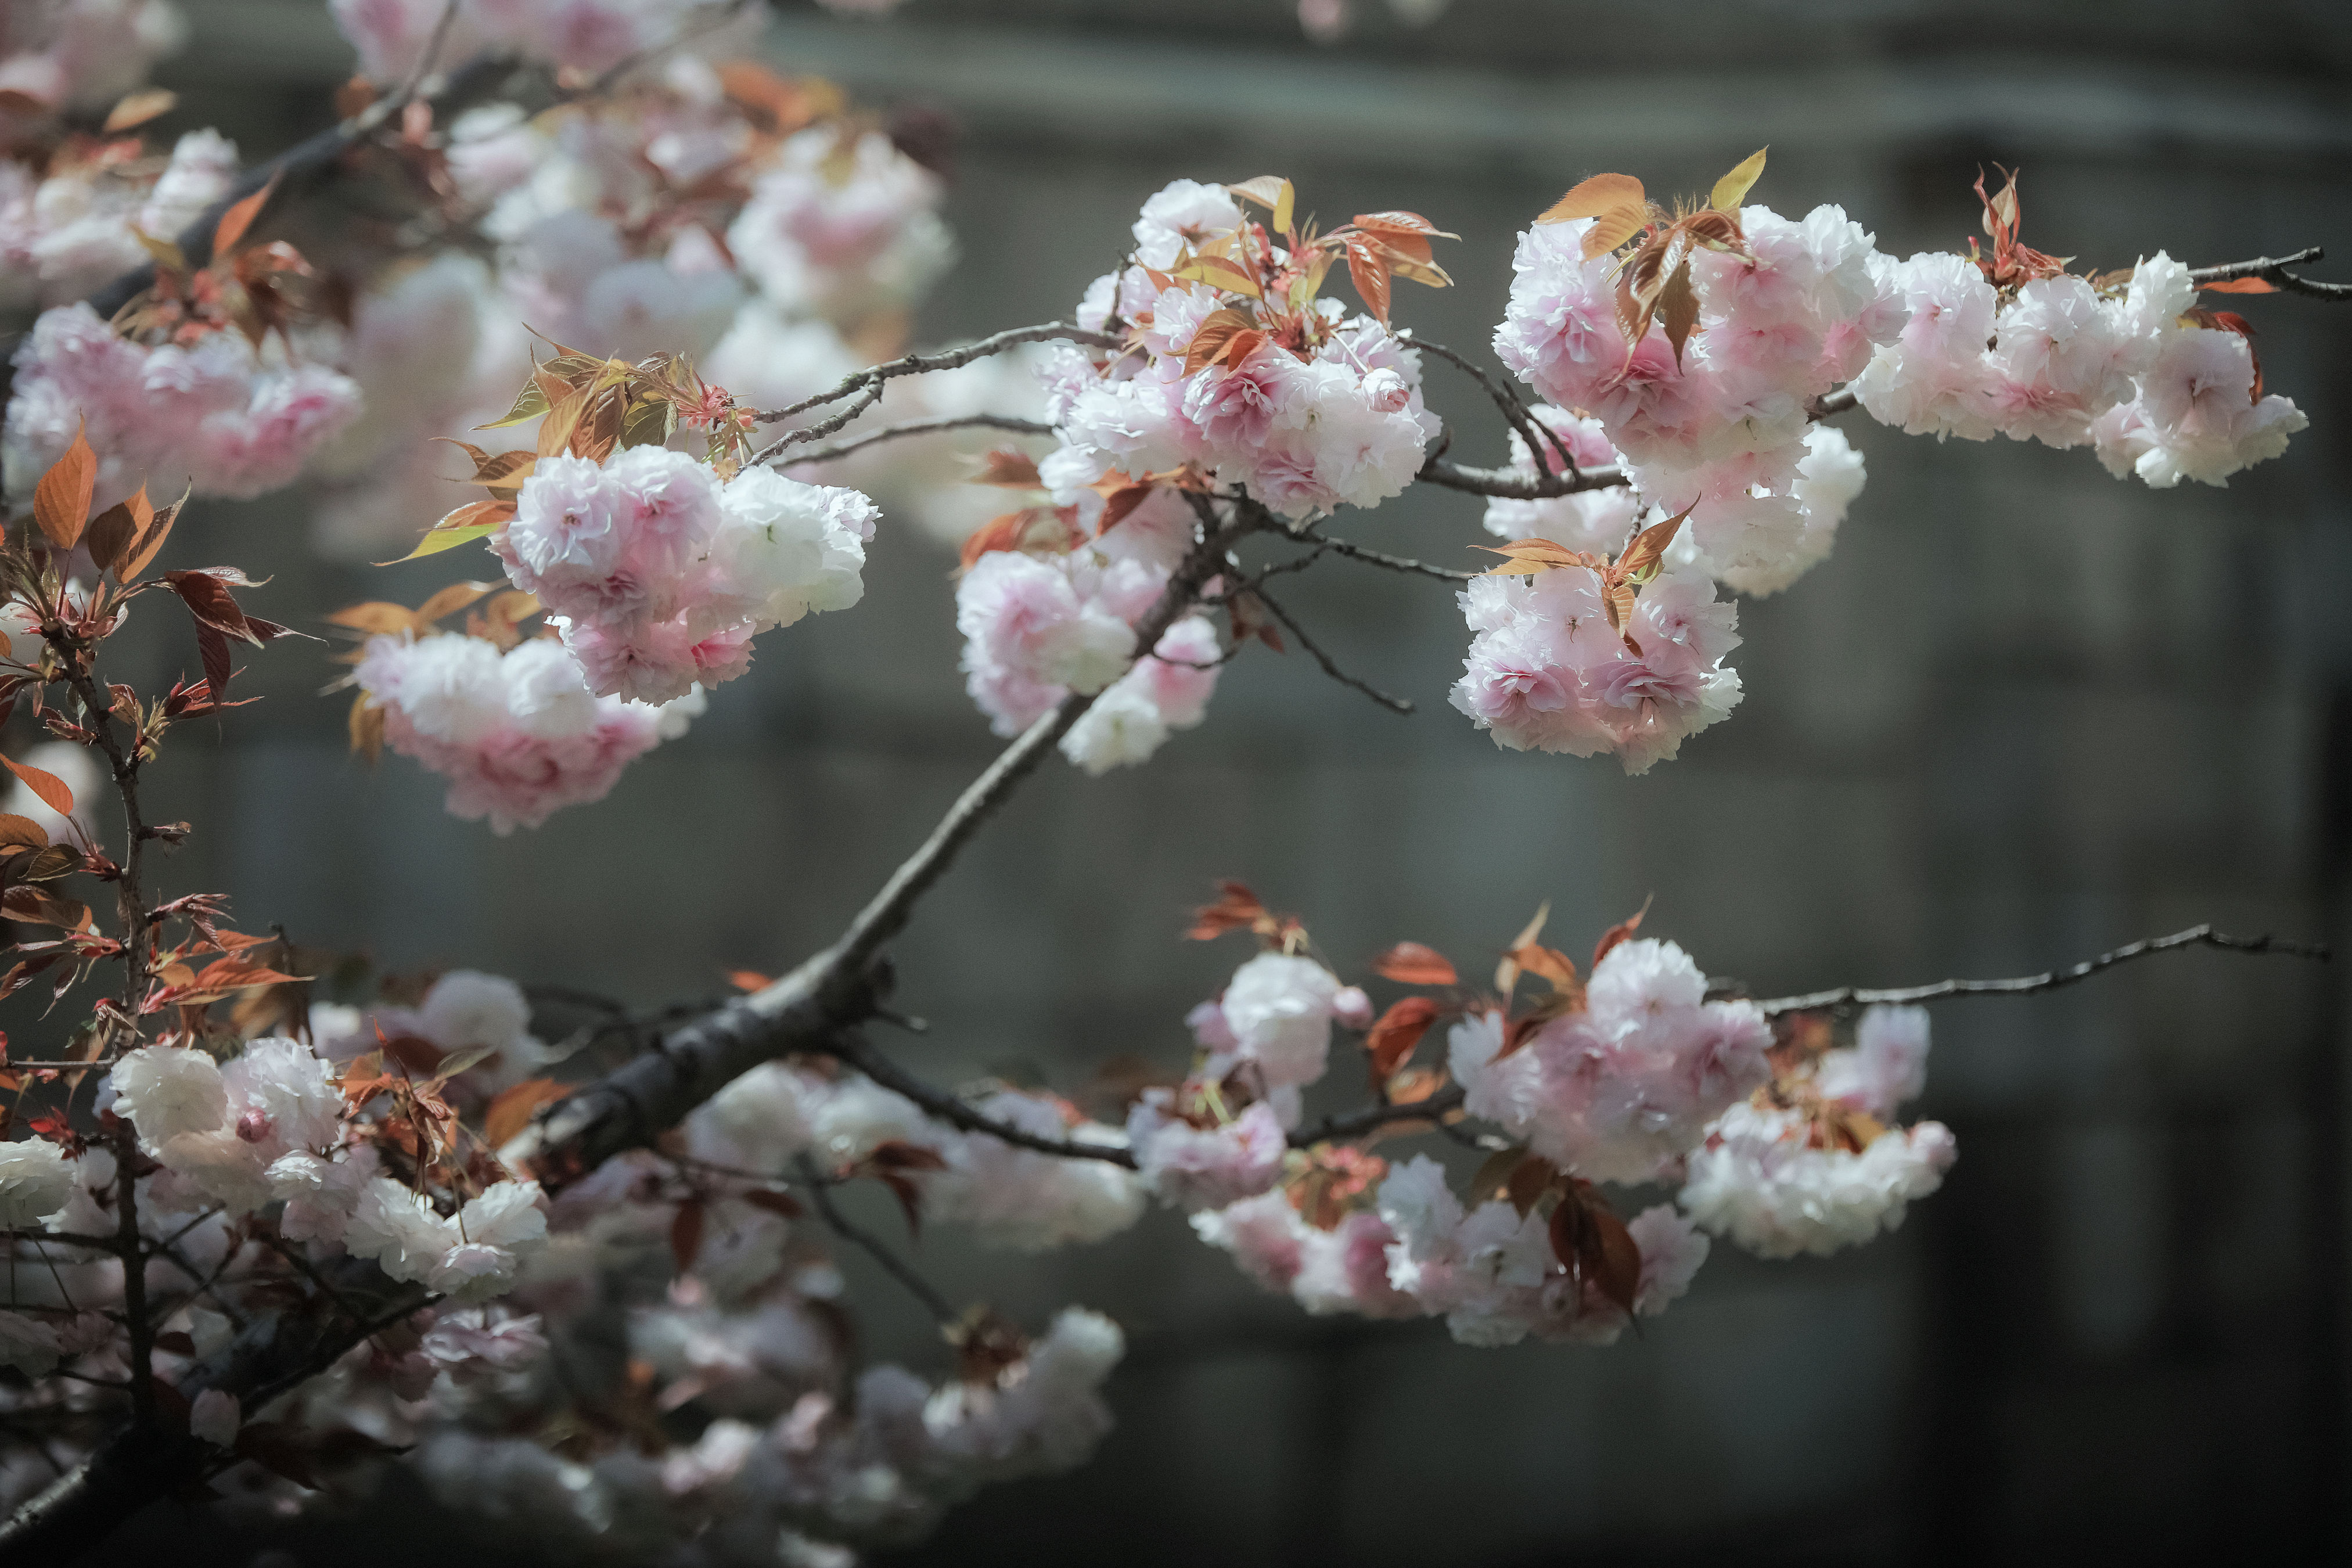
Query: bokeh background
[[2024, 713]]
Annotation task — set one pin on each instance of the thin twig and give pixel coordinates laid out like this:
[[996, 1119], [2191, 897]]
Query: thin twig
[[1393, 562], [2273, 270], [953, 1110], [1357, 1123], [1505, 397], [922, 427], [429, 57], [1393, 704], [2052, 979], [1509, 484], [865, 385], [897, 1268]]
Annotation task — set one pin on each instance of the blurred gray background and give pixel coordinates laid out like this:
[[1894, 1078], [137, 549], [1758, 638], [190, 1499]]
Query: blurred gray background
[[2023, 714]]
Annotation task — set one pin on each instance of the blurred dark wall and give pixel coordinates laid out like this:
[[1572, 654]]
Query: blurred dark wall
[[2023, 714]]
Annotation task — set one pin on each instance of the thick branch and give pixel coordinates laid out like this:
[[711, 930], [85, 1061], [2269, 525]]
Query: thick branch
[[1357, 1123], [2053, 980]]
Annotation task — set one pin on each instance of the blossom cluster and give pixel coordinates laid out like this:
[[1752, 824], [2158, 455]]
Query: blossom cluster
[[584, 37], [83, 54], [223, 415], [1619, 1089], [1546, 671], [517, 733], [1821, 1170], [73, 222], [658, 576], [1325, 410], [2063, 362], [1057, 616]]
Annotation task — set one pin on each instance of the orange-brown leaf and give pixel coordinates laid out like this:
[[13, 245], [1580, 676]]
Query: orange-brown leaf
[[1678, 309], [1400, 1029], [239, 217], [2241, 285], [748, 979], [366, 726], [448, 601], [1548, 963], [1621, 932], [774, 1200], [376, 618], [137, 109], [1411, 964], [1008, 469], [1507, 972], [15, 829], [1368, 269], [50, 788], [1645, 557], [1526, 556], [141, 550], [686, 1234], [61, 500], [513, 1109], [1236, 909]]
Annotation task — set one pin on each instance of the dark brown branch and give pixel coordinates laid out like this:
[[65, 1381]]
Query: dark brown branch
[[2052, 979], [1393, 562], [813, 1008], [2273, 270], [921, 427], [897, 1268], [1357, 1123], [1829, 405], [1393, 704], [851, 1051], [1509, 484], [1515, 412]]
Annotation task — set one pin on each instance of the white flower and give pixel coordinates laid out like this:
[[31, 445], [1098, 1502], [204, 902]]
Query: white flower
[[168, 1090], [36, 1182]]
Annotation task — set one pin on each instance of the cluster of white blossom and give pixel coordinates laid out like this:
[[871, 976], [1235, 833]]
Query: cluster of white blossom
[[517, 734], [583, 37], [82, 54], [1058, 617], [2064, 363], [1619, 1089], [74, 223], [221, 413], [1774, 1180], [1334, 418], [658, 575]]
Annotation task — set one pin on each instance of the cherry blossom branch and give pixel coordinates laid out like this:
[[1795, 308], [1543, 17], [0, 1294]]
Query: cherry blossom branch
[[2052, 979], [952, 1108], [1393, 562], [1509, 484], [923, 427], [867, 385], [897, 1268], [1355, 1124], [812, 1008], [1393, 704], [1531, 430], [2273, 270]]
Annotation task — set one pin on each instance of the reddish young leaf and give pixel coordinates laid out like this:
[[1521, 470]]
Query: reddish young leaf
[[686, 1234], [1009, 469], [15, 829], [1368, 268], [1617, 203], [1507, 972], [137, 109], [1621, 932], [1236, 909], [2241, 285], [213, 649], [111, 530], [997, 533], [141, 550], [775, 1201], [1524, 557], [51, 789], [748, 979], [422, 1057], [240, 219], [1411, 964], [1549, 962], [1400, 1029], [61, 500]]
